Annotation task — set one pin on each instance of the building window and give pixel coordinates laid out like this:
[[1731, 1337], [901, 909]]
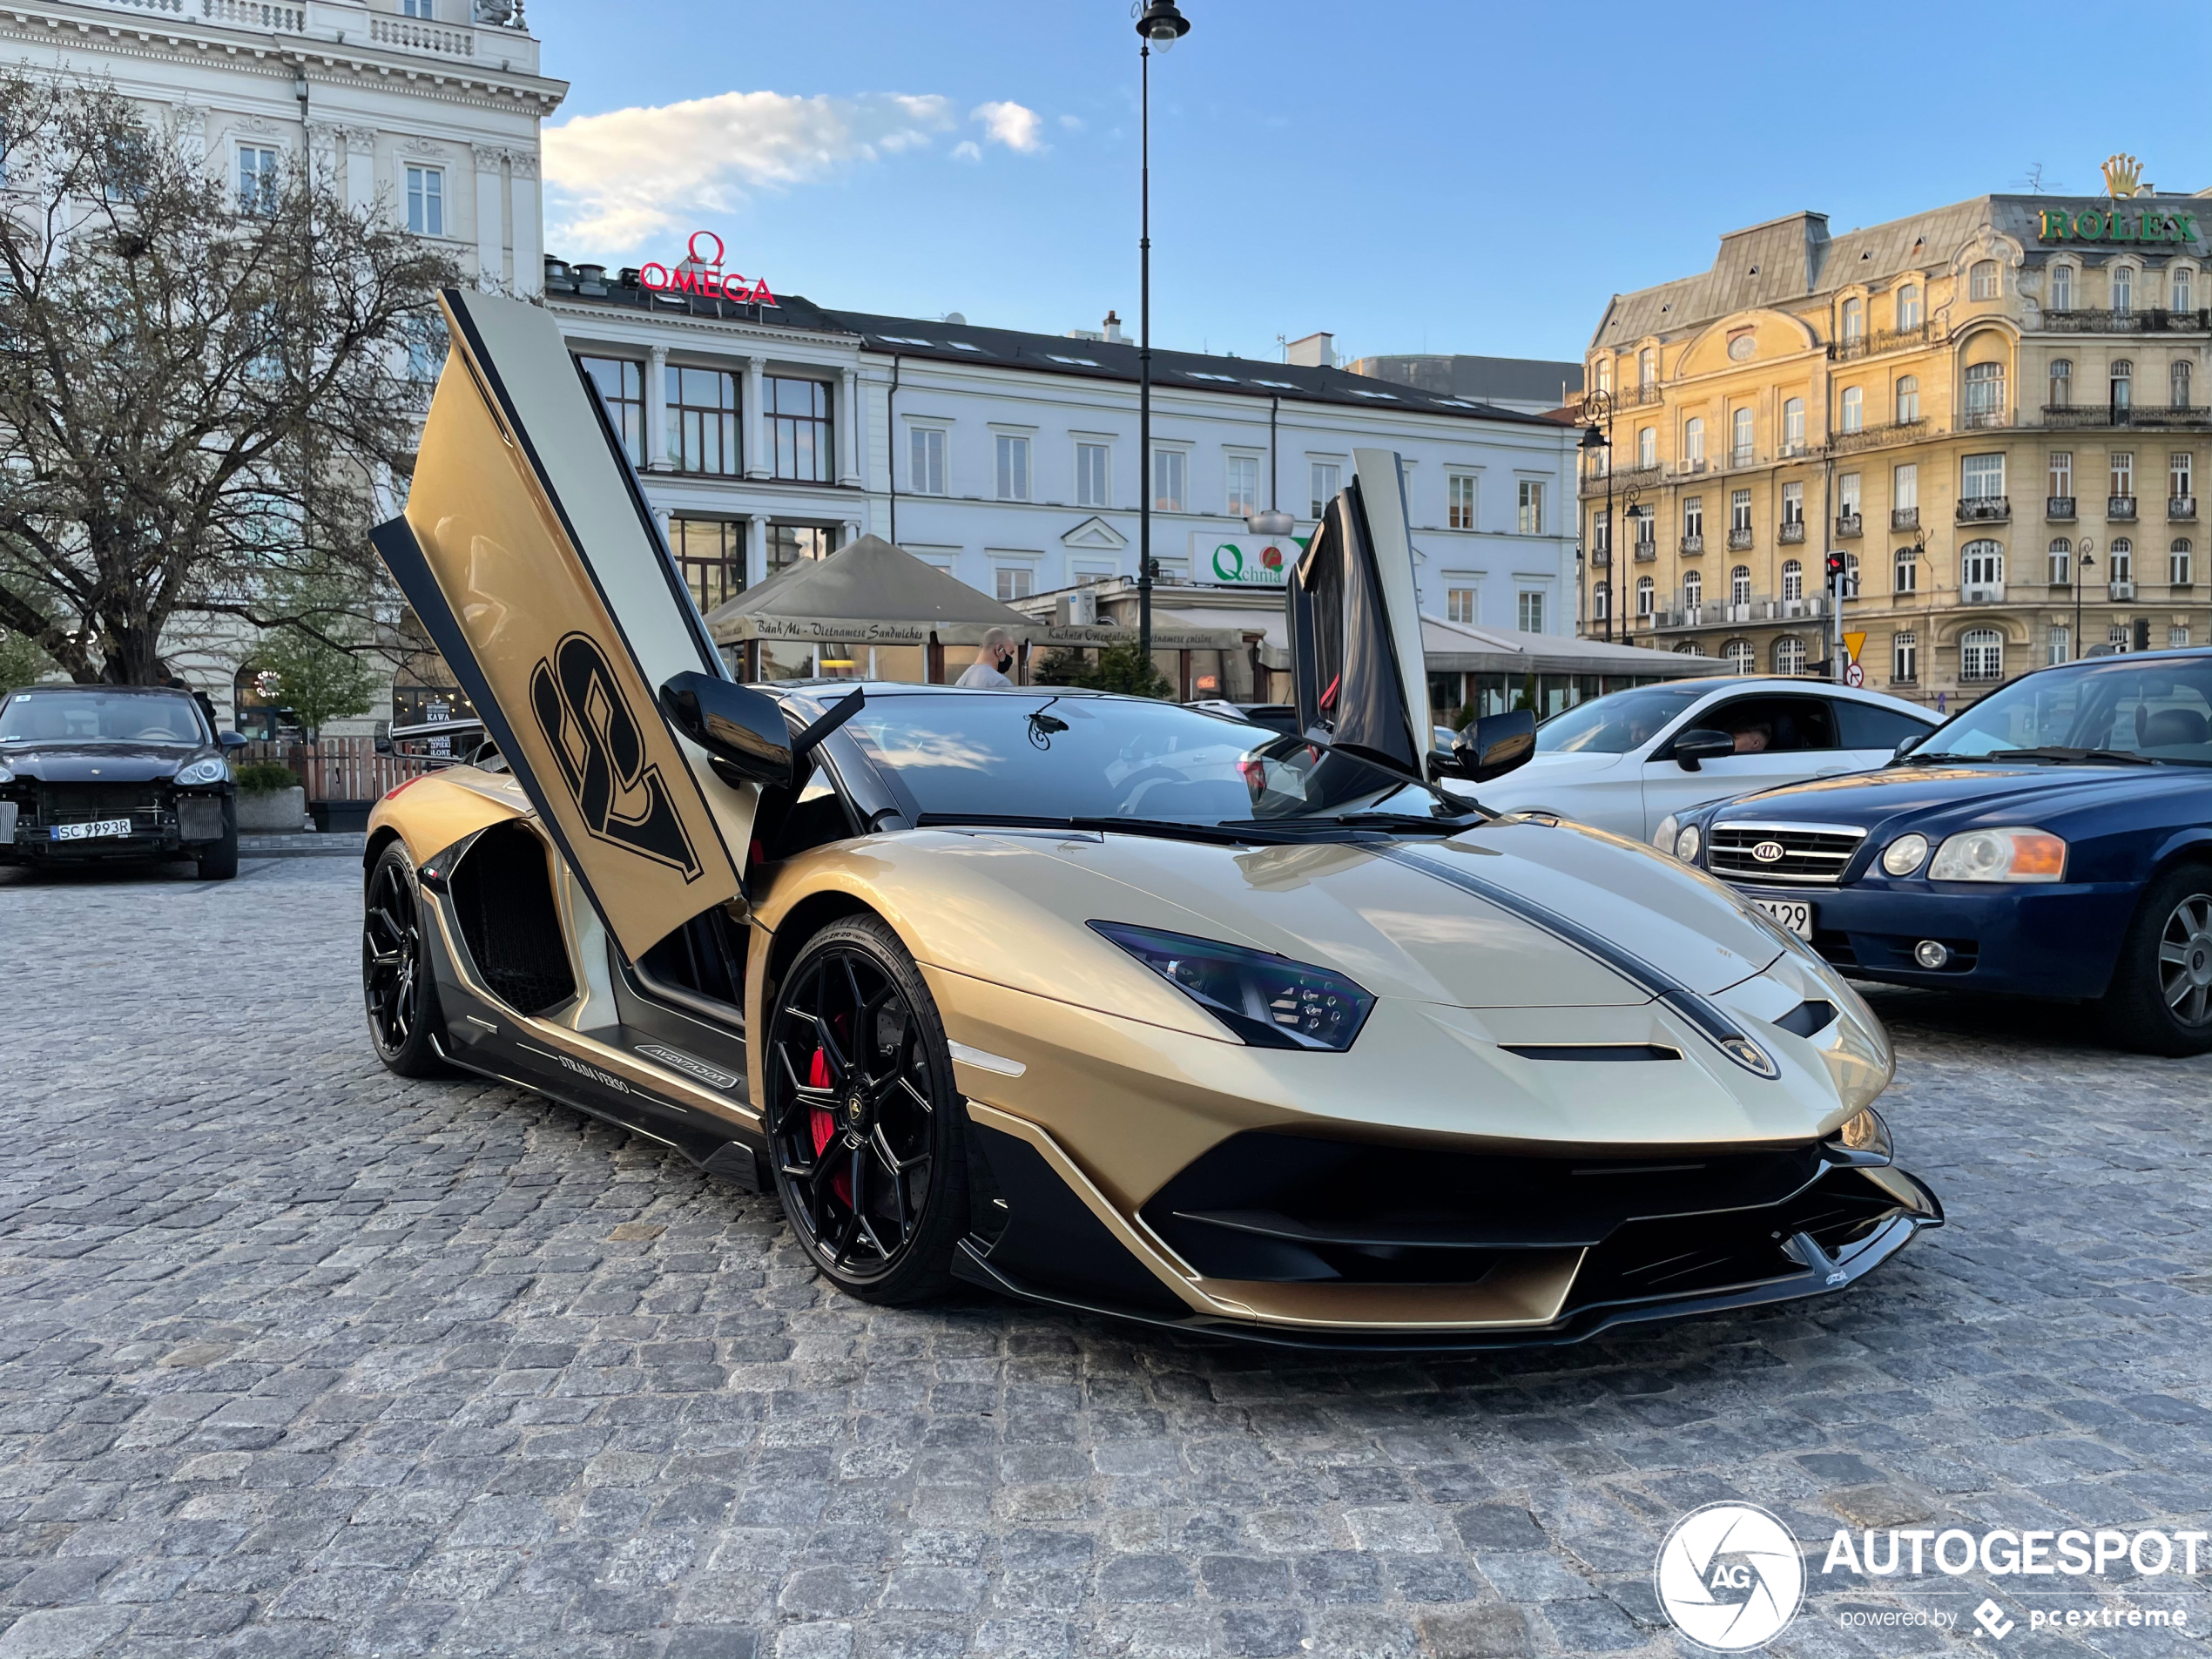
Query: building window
[[1531, 611], [2181, 475], [1905, 657], [1647, 593], [2177, 562], [2061, 643], [1460, 493], [1327, 480], [1739, 453], [1742, 656], [1600, 603], [1647, 367], [1693, 589], [1793, 503], [1854, 412], [2061, 383], [2180, 283], [1907, 571], [257, 178], [926, 464], [1601, 531], [2123, 472], [1014, 582], [2061, 287], [2177, 637], [1908, 399], [1981, 655], [1604, 367], [1981, 477], [425, 200], [2178, 378], [1982, 281], [1531, 518], [1739, 512], [1793, 579], [1013, 467], [1739, 585], [788, 543], [2116, 636], [2061, 484], [1789, 655], [2061, 562], [1647, 446], [710, 557], [1793, 425], [621, 388], [2123, 288], [1847, 494], [798, 419], [1908, 306], [1985, 394], [1981, 564], [1090, 474], [1854, 318], [1243, 489], [1647, 541], [1693, 442], [1693, 516], [1171, 470], [1089, 576], [1904, 488], [702, 420], [423, 9], [2123, 559], [1462, 605], [1850, 589], [2123, 382]]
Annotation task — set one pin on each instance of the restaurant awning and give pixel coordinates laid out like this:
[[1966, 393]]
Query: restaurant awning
[[1461, 648], [868, 593]]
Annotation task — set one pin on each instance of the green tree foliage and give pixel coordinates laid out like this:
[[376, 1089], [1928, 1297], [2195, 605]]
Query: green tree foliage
[[21, 660], [319, 678], [1118, 668]]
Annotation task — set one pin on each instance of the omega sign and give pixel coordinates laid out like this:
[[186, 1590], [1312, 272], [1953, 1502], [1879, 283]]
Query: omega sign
[[2093, 226], [702, 274]]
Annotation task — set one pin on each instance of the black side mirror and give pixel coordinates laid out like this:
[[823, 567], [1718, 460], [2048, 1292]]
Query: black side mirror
[[1905, 745], [1700, 744], [742, 729], [1496, 744], [233, 739]]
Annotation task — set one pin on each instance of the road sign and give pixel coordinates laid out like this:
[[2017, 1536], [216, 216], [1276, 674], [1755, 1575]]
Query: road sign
[[1851, 643], [1855, 675]]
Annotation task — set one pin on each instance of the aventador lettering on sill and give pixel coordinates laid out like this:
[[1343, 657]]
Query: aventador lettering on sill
[[600, 751]]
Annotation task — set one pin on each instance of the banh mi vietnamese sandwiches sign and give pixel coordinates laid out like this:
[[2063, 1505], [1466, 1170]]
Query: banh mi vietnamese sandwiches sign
[[1239, 560], [2114, 224]]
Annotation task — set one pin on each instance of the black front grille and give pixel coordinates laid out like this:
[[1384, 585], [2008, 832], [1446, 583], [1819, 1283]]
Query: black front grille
[[1793, 857], [82, 803]]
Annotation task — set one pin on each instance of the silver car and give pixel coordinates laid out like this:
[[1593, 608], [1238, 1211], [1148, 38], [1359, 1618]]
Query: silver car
[[1625, 761]]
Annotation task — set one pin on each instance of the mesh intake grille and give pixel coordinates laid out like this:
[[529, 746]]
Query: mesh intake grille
[[1795, 857]]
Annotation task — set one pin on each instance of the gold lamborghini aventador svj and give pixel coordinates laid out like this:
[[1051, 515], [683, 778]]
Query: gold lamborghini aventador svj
[[1098, 1001]]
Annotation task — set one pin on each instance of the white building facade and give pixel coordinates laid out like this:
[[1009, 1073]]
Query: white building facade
[[768, 433]]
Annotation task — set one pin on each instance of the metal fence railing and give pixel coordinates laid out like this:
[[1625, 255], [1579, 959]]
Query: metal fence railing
[[342, 768]]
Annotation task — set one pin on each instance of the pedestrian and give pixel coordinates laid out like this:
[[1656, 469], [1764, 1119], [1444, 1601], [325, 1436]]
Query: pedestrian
[[992, 658]]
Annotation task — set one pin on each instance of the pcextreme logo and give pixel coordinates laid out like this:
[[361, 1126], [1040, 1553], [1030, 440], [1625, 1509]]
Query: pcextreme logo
[[1730, 1576]]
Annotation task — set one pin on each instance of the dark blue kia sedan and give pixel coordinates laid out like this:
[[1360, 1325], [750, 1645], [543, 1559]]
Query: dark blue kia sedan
[[2054, 840]]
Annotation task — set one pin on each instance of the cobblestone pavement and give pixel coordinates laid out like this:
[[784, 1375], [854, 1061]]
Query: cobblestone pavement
[[296, 1357]]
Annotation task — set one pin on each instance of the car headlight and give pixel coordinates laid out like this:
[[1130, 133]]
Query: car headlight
[[1687, 843], [1269, 1001], [1999, 855], [1903, 855], [1663, 836], [213, 770], [1864, 1139]]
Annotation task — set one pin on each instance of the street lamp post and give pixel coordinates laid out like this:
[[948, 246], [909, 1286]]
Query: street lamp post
[[2082, 563], [1598, 405], [1162, 25]]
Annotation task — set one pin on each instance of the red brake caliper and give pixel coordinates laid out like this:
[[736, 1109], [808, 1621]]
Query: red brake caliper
[[823, 1123]]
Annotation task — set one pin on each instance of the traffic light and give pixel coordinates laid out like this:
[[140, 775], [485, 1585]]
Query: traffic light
[[1836, 563], [2142, 633]]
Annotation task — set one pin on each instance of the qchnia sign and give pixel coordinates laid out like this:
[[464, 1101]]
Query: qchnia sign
[[2097, 224], [1242, 560]]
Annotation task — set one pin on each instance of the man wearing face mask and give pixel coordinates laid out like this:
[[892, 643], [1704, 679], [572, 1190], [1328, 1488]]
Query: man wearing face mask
[[992, 660]]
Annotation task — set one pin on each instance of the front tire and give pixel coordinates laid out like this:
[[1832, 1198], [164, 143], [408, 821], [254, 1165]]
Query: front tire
[[218, 860], [868, 1136], [2161, 997], [401, 995]]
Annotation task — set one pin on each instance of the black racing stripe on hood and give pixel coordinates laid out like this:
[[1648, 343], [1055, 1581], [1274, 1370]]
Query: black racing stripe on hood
[[1710, 1021]]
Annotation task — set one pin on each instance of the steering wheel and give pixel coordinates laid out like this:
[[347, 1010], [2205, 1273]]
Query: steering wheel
[[156, 734]]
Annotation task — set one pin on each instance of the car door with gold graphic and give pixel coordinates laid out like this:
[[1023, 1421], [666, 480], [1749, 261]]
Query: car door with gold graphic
[[528, 554]]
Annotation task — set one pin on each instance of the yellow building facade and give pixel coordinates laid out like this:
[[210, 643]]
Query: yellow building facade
[[1995, 412]]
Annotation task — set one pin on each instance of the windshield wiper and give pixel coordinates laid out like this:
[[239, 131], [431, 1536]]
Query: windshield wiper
[[1217, 834], [2063, 756], [1412, 821]]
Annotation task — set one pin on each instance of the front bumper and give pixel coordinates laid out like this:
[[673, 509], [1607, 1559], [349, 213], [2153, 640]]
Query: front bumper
[[179, 827], [2058, 941]]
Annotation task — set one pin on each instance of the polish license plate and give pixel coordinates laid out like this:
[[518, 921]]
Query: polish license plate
[[1793, 913], [99, 830]]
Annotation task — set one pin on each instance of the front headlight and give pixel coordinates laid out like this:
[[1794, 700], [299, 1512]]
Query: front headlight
[[1864, 1139], [1903, 856], [1663, 836], [213, 770], [1269, 1001], [1999, 855], [1687, 843]]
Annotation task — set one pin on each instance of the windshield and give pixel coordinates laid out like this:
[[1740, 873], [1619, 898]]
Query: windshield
[[90, 715], [1617, 722], [997, 756], [2160, 711]]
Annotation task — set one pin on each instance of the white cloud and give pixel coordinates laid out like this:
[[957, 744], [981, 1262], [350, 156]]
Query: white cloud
[[967, 150], [1011, 125], [623, 177], [1073, 123]]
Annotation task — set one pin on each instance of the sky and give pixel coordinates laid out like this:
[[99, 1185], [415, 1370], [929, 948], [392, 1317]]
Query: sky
[[1409, 175]]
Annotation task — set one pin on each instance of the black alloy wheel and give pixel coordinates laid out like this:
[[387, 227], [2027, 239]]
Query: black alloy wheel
[[867, 1134], [397, 985], [2160, 998]]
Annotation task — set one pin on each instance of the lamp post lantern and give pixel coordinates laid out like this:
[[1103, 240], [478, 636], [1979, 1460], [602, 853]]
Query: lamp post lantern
[[2082, 564], [1161, 25]]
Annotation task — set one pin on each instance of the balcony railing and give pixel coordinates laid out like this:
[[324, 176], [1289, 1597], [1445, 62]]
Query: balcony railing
[[509, 45], [2181, 507], [1600, 558], [1982, 593], [2071, 416], [1876, 437], [1694, 544], [2058, 509], [1905, 518], [1650, 392], [2106, 322], [419, 35], [1738, 540], [1796, 449], [2123, 589], [1793, 529], [1679, 610], [1984, 510], [2119, 506], [1741, 457], [1622, 478], [1846, 524], [1984, 419], [1647, 551]]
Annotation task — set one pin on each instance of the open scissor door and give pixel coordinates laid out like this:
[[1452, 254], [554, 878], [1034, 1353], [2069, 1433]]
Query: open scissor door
[[529, 554], [1358, 678]]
